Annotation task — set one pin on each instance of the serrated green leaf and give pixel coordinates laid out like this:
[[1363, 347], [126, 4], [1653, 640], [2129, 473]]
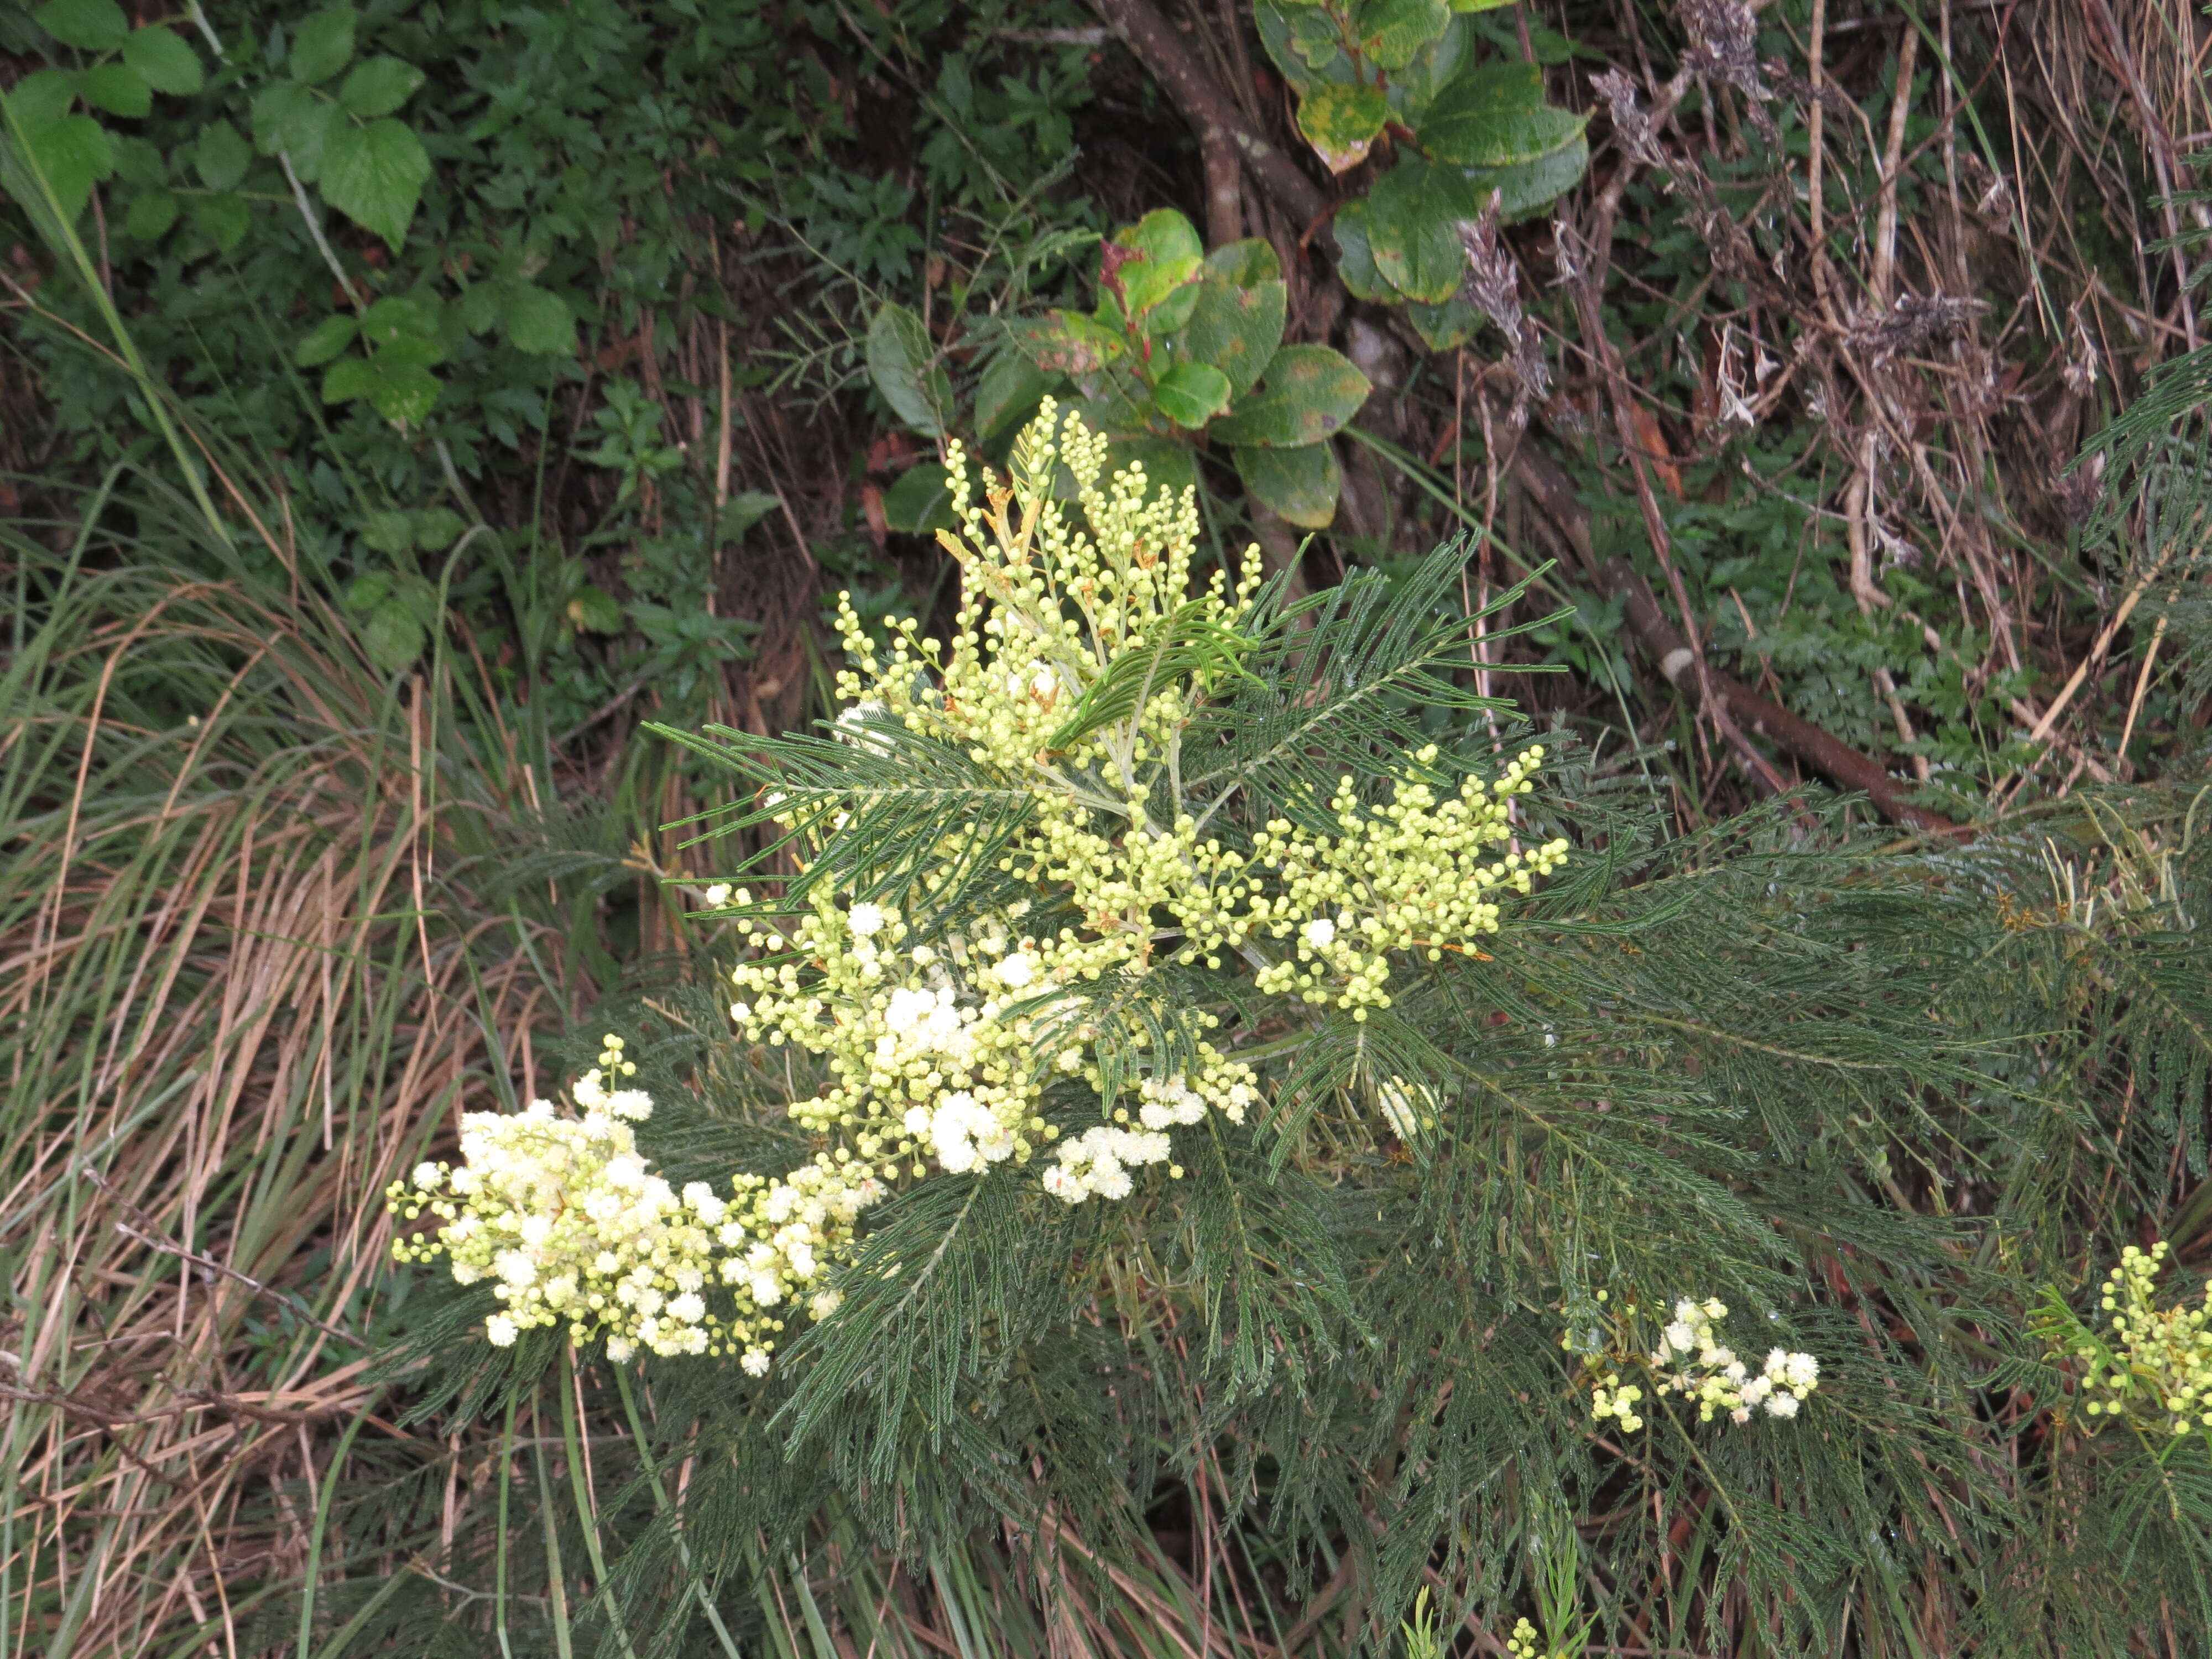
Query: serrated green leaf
[[323, 44], [1533, 185], [1157, 255], [88, 25], [540, 323], [393, 636], [117, 88], [1494, 116], [379, 87], [390, 532], [1191, 394], [1342, 122], [1301, 485], [1308, 392], [374, 175], [903, 366], [595, 610], [289, 119], [1393, 33], [347, 379], [437, 528], [1413, 215], [222, 218], [370, 588], [1355, 256], [40, 100], [398, 317], [74, 155], [1235, 326], [164, 61], [326, 340], [397, 382], [152, 213], [222, 156], [921, 502]]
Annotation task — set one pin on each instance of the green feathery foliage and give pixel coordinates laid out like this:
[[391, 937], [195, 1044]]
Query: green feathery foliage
[[1884, 1100]]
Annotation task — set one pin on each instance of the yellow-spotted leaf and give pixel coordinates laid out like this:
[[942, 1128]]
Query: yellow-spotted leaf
[[1342, 122], [1413, 215], [1307, 394]]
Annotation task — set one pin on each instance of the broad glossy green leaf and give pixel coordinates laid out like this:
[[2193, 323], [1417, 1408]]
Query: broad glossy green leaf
[[1413, 218], [326, 340], [1191, 394], [1247, 264], [323, 44], [1157, 256], [540, 323], [164, 61], [1533, 185], [1301, 484], [88, 25], [1235, 326], [222, 156], [1393, 33], [393, 636], [1308, 392], [374, 175], [1009, 389], [379, 87], [1494, 116], [903, 364], [152, 213], [1342, 123], [1415, 86], [1355, 256], [118, 88], [920, 503], [1445, 326], [1303, 42]]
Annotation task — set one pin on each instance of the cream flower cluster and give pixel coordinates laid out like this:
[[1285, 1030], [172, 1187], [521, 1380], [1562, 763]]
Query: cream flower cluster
[[1692, 1360], [942, 1054], [572, 1227], [2159, 1365]]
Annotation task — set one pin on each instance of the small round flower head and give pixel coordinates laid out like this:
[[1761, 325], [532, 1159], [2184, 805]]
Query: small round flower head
[[1692, 1360]]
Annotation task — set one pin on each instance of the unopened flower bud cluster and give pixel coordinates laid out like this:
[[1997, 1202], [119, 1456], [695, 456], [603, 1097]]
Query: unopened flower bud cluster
[[572, 1228], [1692, 1360], [2158, 1366]]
